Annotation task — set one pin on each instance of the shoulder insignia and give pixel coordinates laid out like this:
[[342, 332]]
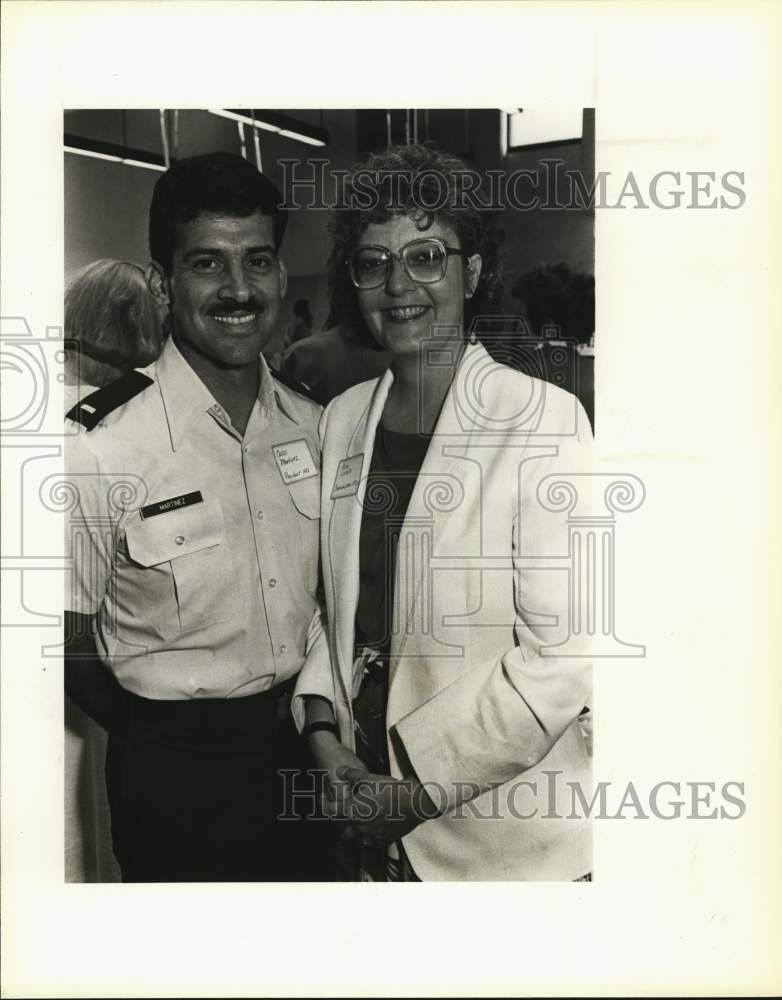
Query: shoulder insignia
[[291, 383], [93, 408]]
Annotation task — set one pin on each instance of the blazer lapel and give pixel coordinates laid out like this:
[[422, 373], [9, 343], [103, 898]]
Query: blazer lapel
[[345, 530]]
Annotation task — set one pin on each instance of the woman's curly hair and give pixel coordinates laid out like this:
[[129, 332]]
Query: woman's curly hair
[[427, 184]]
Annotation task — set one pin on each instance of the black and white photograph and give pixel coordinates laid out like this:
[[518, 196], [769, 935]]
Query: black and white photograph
[[366, 492], [374, 613]]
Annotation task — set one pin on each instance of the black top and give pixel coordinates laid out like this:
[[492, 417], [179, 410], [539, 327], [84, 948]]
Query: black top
[[396, 462], [393, 472]]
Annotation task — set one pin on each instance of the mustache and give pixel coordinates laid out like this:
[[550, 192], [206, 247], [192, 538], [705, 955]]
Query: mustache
[[231, 308]]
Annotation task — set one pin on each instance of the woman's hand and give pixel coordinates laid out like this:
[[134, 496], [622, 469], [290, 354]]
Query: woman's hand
[[383, 809], [328, 754], [332, 756]]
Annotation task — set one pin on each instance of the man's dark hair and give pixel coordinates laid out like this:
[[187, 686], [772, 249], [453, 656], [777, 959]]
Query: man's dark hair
[[214, 183]]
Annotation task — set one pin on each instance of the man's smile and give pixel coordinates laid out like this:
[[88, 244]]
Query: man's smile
[[236, 318]]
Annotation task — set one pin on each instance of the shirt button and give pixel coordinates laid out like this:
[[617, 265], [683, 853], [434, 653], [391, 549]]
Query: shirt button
[[283, 648], [272, 582], [260, 515], [180, 539]]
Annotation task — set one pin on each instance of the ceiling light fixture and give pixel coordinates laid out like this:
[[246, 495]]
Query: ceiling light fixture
[[100, 150], [92, 153], [271, 121]]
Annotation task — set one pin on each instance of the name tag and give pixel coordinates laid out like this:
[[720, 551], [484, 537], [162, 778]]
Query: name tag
[[348, 476], [173, 503], [294, 461]]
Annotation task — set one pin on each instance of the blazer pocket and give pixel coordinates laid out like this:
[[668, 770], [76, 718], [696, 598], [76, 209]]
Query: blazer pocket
[[189, 546]]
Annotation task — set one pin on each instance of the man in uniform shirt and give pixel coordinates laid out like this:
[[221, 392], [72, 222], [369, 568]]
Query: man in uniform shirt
[[194, 540]]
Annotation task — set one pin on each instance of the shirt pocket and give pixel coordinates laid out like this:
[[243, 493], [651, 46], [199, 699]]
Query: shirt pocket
[[188, 547], [306, 497]]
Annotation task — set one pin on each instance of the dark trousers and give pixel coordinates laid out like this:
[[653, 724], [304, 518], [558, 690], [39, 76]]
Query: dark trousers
[[202, 790]]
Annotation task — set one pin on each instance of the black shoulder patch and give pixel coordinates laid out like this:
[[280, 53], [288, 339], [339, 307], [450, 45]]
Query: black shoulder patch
[[93, 408], [291, 383]]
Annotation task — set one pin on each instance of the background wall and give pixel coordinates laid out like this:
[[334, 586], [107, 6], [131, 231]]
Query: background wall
[[107, 203]]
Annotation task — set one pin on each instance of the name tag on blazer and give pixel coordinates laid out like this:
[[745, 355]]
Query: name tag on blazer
[[348, 477]]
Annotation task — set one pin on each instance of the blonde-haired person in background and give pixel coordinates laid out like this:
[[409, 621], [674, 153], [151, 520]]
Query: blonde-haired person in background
[[111, 325]]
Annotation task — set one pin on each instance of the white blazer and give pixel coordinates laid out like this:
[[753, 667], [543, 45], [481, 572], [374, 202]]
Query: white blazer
[[479, 704]]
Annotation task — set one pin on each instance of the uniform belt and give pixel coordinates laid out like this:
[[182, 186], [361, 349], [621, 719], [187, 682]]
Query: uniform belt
[[210, 722]]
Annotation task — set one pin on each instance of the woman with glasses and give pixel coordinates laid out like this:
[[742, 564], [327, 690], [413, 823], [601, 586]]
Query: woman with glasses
[[433, 696]]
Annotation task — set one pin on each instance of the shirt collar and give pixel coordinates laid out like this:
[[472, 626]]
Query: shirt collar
[[186, 397], [270, 394]]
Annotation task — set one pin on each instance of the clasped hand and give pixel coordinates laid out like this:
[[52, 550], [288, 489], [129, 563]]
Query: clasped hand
[[381, 809], [376, 808]]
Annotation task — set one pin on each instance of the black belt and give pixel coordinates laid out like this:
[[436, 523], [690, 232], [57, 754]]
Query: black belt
[[228, 723]]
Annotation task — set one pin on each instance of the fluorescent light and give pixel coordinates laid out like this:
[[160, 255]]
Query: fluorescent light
[[113, 159], [317, 137], [264, 125], [244, 119], [89, 152], [102, 150], [140, 163], [301, 138]]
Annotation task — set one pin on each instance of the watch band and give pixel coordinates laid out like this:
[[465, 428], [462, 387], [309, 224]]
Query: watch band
[[319, 727]]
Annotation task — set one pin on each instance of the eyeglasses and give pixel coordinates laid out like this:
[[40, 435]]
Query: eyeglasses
[[424, 261]]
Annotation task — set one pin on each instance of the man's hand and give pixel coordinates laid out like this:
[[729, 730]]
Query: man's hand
[[384, 809]]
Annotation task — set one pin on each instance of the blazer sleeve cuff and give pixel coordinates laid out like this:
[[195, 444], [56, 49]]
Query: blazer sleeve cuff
[[491, 725]]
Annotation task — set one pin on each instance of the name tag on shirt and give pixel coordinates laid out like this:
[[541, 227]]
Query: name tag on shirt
[[295, 461], [173, 503], [348, 476]]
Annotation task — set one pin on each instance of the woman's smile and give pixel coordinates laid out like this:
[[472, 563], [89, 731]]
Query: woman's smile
[[404, 314]]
